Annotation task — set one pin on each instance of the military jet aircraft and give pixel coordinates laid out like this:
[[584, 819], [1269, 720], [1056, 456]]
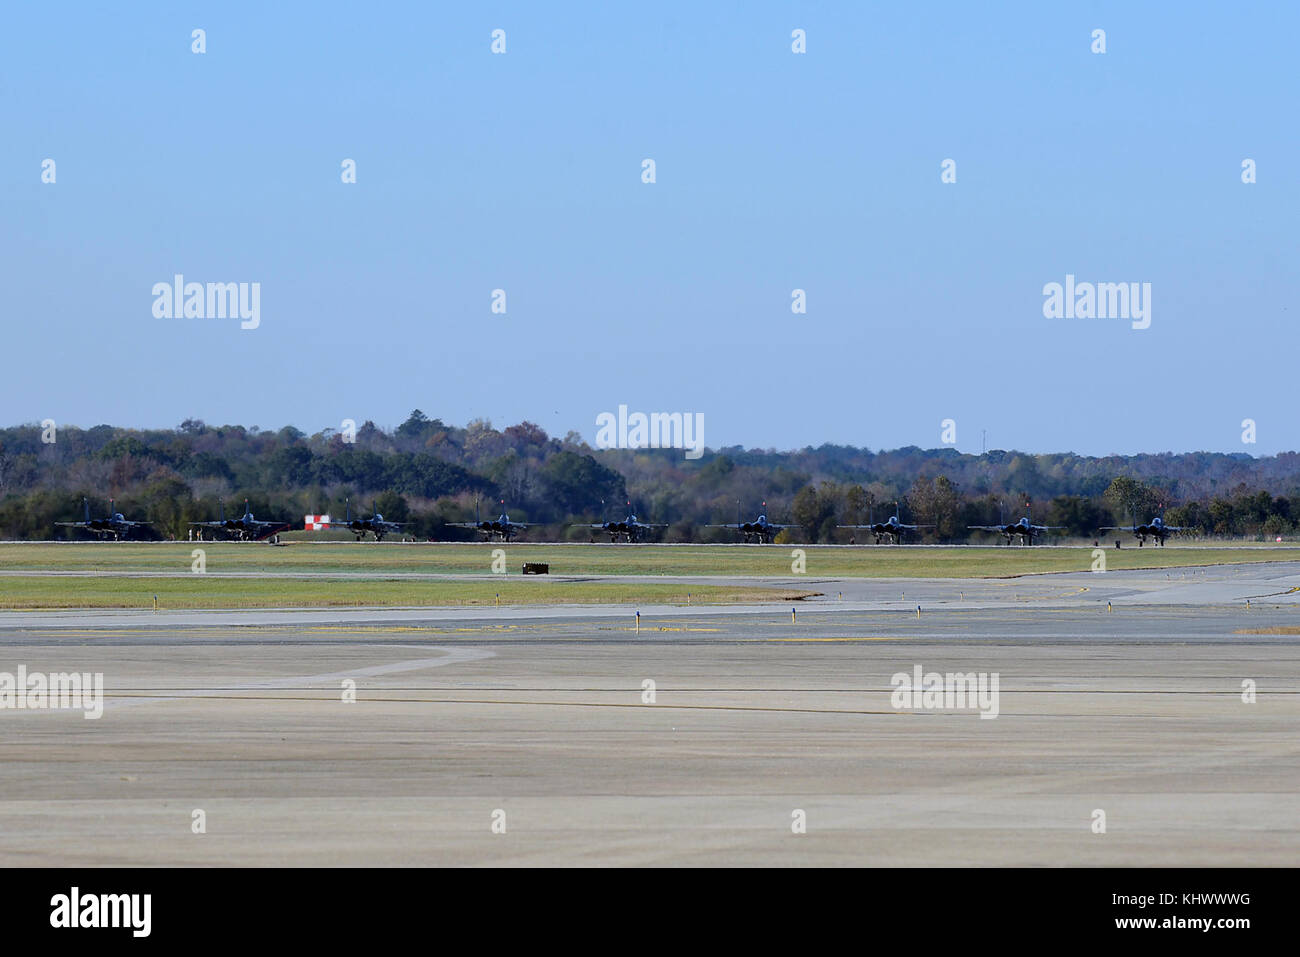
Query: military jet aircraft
[[116, 524], [891, 531], [246, 528], [376, 524], [630, 529], [501, 529], [760, 530], [1156, 530], [1024, 530]]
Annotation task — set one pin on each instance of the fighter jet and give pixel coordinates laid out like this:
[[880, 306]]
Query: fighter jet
[[116, 524], [630, 529], [376, 524], [891, 531], [501, 529], [1156, 530], [760, 530], [1023, 530], [246, 528]]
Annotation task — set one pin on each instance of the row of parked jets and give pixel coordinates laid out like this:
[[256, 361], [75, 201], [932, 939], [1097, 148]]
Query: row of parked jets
[[245, 528], [629, 529], [1023, 531]]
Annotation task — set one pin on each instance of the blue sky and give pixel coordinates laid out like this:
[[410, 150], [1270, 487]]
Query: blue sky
[[775, 171]]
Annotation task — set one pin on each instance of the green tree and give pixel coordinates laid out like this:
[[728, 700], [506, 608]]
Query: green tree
[[1079, 515], [813, 510], [1128, 498], [575, 484], [858, 505]]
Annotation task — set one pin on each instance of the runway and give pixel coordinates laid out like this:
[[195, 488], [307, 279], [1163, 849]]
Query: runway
[[527, 736]]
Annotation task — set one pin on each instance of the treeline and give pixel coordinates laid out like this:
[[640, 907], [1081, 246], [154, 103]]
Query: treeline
[[427, 473], [1125, 500]]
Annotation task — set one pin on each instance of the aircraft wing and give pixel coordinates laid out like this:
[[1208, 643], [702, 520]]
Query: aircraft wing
[[267, 529], [916, 526], [985, 528], [73, 524]]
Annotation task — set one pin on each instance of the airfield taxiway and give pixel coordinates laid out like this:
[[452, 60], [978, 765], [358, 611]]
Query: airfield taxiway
[[1119, 692]]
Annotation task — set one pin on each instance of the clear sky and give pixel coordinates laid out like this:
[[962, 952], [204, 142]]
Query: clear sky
[[775, 171]]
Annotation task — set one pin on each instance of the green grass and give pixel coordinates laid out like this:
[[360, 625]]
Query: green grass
[[316, 574], [200, 591], [862, 561]]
